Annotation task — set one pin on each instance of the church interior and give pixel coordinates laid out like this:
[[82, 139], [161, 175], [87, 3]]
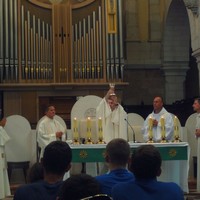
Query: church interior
[[60, 51]]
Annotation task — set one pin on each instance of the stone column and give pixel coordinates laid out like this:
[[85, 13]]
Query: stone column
[[175, 75], [196, 54]]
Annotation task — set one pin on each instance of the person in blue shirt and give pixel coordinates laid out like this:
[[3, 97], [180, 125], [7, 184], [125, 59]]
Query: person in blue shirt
[[56, 161], [117, 156], [146, 166]]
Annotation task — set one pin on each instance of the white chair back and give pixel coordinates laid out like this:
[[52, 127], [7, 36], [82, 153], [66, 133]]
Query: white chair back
[[18, 148], [85, 107], [136, 122], [192, 141]]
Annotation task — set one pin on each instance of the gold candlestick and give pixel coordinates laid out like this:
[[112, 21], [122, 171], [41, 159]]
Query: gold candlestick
[[100, 132], [89, 134], [176, 130], [162, 124], [150, 130], [75, 132]]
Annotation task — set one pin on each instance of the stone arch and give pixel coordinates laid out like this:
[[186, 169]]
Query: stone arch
[[176, 46]]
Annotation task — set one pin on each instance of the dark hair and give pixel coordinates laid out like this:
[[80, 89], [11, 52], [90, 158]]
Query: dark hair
[[79, 186], [35, 173], [197, 99], [118, 151], [57, 157], [47, 107], [146, 162], [161, 98]]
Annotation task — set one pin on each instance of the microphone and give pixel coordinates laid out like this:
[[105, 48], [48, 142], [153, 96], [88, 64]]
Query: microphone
[[131, 129]]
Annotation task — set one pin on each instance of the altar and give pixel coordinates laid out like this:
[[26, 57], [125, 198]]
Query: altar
[[175, 156]]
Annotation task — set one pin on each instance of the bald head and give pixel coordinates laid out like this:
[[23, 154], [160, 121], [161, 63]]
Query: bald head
[[157, 104]]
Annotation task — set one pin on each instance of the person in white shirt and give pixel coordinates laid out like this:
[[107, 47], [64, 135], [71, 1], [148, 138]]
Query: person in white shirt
[[158, 112], [49, 129], [113, 117], [4, 182], [196, 108]]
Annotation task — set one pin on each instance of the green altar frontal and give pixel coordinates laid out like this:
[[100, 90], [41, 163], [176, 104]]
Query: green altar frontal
[[96, 152]]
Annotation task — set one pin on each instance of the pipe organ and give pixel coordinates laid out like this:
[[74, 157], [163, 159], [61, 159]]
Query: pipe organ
[[67, 42]]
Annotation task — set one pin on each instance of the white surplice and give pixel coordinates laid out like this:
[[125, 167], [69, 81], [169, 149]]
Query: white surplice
[[4, 182], [47, 132], [169, 126]]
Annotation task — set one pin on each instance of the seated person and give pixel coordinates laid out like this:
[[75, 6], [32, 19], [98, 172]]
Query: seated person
[[117, 156], [146, 166], [158, 112], [4, 181], [79, 186], [35, 173], [56, 161], [49, 129]]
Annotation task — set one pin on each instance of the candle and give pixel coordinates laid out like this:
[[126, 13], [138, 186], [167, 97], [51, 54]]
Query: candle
[[162, 121], [162, 124], [75, 129], [88, 127], [175, 126], [100, 128], [150, 121], [150, 127], [75, 123], [88, 123], [175, 121]]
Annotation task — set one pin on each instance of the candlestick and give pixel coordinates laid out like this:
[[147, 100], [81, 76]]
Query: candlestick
[[89, 140], [176, 130], [100, 131], [150, 121], [150, 129], [162, 124], [75, 131], [100, 127]]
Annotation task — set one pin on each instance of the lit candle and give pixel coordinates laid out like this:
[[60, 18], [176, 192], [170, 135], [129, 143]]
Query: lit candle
[[88, 127], [162, 124], [75, 129], [175, 126], [150, 121], [75, 123], [100, 128], [150, 127], [175, 121]]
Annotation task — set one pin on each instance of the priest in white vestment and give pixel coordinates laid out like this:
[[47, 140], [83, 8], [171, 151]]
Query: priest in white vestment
[[158, 112], [113, 117], [49, 129], [4, 182], [196, 107]]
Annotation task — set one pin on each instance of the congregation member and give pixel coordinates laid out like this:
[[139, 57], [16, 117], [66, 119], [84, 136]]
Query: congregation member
[[4, 182], [56, 161], [113, 117], [49, 129], [146, 166], [79, 186], [35, 173], [196, 108], [158, 112], [117, 156]]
